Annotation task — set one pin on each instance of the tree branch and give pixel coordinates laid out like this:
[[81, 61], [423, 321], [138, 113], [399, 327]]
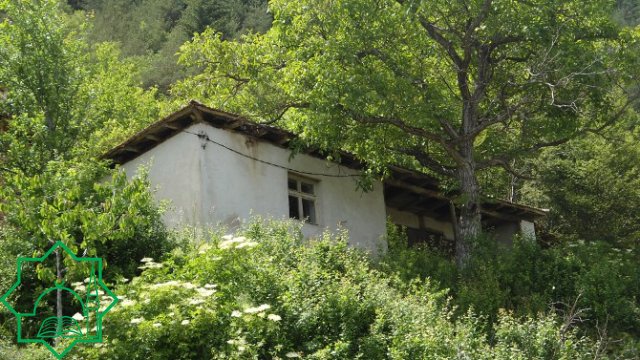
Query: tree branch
[[428, 161], [503, 163]]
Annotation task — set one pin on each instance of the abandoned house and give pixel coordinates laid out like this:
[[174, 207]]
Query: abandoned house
[[219, 168]]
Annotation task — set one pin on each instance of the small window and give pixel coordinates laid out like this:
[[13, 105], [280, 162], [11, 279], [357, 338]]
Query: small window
[[302, 199]]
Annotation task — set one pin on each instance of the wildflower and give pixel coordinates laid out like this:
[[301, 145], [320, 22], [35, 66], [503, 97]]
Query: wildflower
[[150, 265], [185, 322], [196, 301], [165, 284], [248, 244], [236, 313], [231, 243], [127, 302], [255, 310], [188, 285], [205, 292], [274, 317], [137, 320], [203, 248], [292, 354], [146, 260]]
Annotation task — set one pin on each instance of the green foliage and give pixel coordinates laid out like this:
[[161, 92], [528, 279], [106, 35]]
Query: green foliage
[[452, 88], [372, 77], [152, 31], [9, 351], [594, 284], [591, 186], [269, 294], [41, 61], [66, 99], [94, 212], [79, 205]]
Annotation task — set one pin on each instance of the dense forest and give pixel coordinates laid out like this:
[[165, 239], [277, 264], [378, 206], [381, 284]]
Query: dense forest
[[532, 102]]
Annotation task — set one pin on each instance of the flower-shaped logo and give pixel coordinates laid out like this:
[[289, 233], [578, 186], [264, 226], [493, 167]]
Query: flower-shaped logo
[[58, 331]]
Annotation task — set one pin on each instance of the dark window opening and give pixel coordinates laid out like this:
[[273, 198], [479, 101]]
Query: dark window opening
[[302, 199]]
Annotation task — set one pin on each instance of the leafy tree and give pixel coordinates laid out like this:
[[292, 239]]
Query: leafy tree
[[591, 187], [94, 216], [41, 68], [61, 94], [453, 87], [628, 12], [66, 99]]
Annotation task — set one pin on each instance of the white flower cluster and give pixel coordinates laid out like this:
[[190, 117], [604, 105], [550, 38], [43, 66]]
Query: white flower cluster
[[148, 263], [200, 294], [239, 242], [239, 343], [124, 302], [78, 286], [203, 248], [259, 311], [137, 320]]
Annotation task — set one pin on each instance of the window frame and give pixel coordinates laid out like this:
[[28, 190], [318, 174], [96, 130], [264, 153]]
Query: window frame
[[300, 195]]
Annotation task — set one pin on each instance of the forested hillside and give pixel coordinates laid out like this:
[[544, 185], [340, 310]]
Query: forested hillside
[[151, 31], [535, 102]]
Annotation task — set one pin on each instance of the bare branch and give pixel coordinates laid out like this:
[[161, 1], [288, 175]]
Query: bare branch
[[427, 161], [504, 164], [283, 110]]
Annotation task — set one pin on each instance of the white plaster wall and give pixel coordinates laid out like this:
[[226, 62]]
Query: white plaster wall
[[527, 229], [504, 233], [211, 185], [237, 187], [174, 167]]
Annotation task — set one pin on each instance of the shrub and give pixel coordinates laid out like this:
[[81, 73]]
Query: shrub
[[595, 280], [267, 293]]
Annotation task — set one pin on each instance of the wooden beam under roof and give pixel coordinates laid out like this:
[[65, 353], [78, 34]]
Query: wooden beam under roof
[[153, 137], [416, 189], [171, 126]]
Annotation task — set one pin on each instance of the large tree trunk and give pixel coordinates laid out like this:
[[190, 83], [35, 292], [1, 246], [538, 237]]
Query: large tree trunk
[[469, 220]]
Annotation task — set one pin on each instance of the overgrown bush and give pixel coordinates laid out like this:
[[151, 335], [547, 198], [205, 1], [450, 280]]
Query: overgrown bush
[[267, 293], [95, 212], [594, 286]]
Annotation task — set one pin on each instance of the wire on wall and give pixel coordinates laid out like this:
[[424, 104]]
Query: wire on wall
[[205, 137]]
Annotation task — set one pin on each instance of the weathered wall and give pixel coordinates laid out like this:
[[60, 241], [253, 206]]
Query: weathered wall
[[412, 220], [210, 185], [503, 233], [174, 173]]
